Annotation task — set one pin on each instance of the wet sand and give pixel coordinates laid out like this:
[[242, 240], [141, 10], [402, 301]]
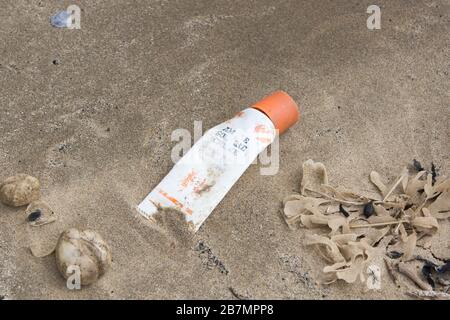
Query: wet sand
[[90, 113]]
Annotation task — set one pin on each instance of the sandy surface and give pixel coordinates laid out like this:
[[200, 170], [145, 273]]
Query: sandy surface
[[95, 128]]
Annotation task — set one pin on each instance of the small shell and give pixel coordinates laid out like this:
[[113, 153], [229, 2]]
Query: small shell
[[62, 19], [85, 249], [39, 213], [19, 190]]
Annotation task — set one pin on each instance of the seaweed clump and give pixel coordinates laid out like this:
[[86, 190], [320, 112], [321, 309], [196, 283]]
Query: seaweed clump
[[350, 229]]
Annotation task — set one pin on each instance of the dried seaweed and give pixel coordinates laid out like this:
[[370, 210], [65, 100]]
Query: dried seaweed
[[440, 208], [375, 178], [314, 176], [427, 225], [434, 273], [409, 246], [328, 248], [391, 223], [403, 175], [391, 270], [412, 275]]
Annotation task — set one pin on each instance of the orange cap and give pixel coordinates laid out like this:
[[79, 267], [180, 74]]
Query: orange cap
[[280, 108]]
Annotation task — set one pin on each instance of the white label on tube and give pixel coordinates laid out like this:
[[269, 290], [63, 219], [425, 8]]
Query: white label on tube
[[200, 180]]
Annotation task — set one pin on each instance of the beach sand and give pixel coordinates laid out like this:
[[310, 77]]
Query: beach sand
[[90, 113]]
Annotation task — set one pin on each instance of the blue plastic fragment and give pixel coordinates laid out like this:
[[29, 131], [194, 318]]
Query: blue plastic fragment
[[61, 19]]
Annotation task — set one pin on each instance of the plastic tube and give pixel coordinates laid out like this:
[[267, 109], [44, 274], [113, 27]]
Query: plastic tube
[[200, 180]]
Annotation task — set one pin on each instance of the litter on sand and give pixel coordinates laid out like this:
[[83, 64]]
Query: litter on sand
[[62, 19], [85, 250], [200, 180]]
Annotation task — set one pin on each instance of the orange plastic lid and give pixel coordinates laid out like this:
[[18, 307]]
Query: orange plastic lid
[[280, 108]]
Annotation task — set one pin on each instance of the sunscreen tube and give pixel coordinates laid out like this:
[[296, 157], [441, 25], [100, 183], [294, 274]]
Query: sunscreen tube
[[204, 175]]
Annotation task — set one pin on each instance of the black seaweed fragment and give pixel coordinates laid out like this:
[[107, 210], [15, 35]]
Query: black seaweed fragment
[[343, 211], [417, 165], [211, 260], [368, 209], [394, 254], [434, 173], [427, 271], [432, 271], [35, 215], [444, 268]]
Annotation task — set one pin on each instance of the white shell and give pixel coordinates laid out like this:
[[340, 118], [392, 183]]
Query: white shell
[[85, 249], [19, 190]]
